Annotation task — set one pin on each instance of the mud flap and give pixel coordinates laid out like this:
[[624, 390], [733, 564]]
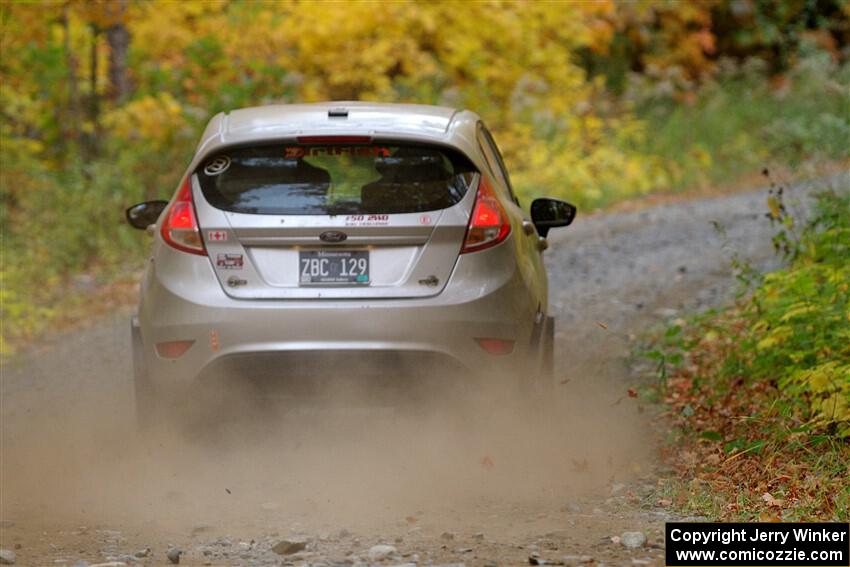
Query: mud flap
[[541, 363], [547, 363], [143, 389]]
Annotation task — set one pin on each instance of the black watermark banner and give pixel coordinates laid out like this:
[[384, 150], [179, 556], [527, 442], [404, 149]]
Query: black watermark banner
[[758, 545]]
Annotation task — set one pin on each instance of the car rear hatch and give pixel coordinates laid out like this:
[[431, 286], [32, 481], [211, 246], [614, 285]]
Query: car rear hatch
[[334, 217]]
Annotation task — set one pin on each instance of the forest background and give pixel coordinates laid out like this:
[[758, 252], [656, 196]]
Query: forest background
[[597, 102]]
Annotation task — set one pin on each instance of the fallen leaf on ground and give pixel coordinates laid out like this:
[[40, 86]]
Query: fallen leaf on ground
[[771, 501], [767, 516]]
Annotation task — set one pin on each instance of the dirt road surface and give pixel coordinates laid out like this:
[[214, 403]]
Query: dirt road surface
[[486, 482]]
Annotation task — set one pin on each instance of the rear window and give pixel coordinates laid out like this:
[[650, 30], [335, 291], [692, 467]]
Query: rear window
[[295, 179]]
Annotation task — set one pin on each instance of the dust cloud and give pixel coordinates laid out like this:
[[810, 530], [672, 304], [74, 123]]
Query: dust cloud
[[449, 456]]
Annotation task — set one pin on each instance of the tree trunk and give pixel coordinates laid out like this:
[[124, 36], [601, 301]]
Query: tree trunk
[[72, 126], [118, 38], [93, 138]]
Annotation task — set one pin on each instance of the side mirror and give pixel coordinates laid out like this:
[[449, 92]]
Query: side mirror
[[551, 213], [145, 214]]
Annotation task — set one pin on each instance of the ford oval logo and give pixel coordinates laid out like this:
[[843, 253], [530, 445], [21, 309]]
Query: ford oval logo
[[333, 236]]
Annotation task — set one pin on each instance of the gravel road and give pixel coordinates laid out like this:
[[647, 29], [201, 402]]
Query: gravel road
[[487, 483]]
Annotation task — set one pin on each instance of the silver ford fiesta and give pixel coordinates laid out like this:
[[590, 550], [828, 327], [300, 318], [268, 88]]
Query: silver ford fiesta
[[342, 236]]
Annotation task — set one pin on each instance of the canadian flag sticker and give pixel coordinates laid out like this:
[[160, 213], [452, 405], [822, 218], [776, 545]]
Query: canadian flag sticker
[[217, 235]]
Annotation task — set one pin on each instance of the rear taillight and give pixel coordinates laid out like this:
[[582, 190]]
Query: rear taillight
[[489, 223], [180, 227]]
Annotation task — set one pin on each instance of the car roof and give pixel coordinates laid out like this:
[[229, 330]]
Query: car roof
[[416, 122], [371, 115]]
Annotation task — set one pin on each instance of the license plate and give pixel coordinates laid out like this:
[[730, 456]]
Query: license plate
[[317, 267]]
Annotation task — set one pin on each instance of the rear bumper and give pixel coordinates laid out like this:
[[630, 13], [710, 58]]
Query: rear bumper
[[230, 333]]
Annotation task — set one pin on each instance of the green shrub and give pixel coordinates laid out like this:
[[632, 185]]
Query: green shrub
[[758, 392], [800, 319]]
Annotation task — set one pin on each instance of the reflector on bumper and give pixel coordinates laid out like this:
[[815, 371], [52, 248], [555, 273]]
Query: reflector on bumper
[[173, 349], [496, 346]]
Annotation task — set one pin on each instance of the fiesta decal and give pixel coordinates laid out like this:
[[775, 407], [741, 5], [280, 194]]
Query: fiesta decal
[[229, 261], [294, 152]]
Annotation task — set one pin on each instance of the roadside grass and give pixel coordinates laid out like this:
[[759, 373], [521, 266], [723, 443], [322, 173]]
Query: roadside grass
[[76, 303], [743, 119], [759, 393]]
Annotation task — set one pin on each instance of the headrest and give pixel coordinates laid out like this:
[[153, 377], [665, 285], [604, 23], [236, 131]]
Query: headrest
[[410, 158]]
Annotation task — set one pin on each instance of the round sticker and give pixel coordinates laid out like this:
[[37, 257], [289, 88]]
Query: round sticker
[[217, 166]]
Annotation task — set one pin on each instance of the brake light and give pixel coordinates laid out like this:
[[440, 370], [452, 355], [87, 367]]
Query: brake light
[[180, 227], [489, 223]]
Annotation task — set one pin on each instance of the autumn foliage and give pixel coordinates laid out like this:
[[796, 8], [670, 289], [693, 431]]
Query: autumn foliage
[[760, 392], [102, 100]]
